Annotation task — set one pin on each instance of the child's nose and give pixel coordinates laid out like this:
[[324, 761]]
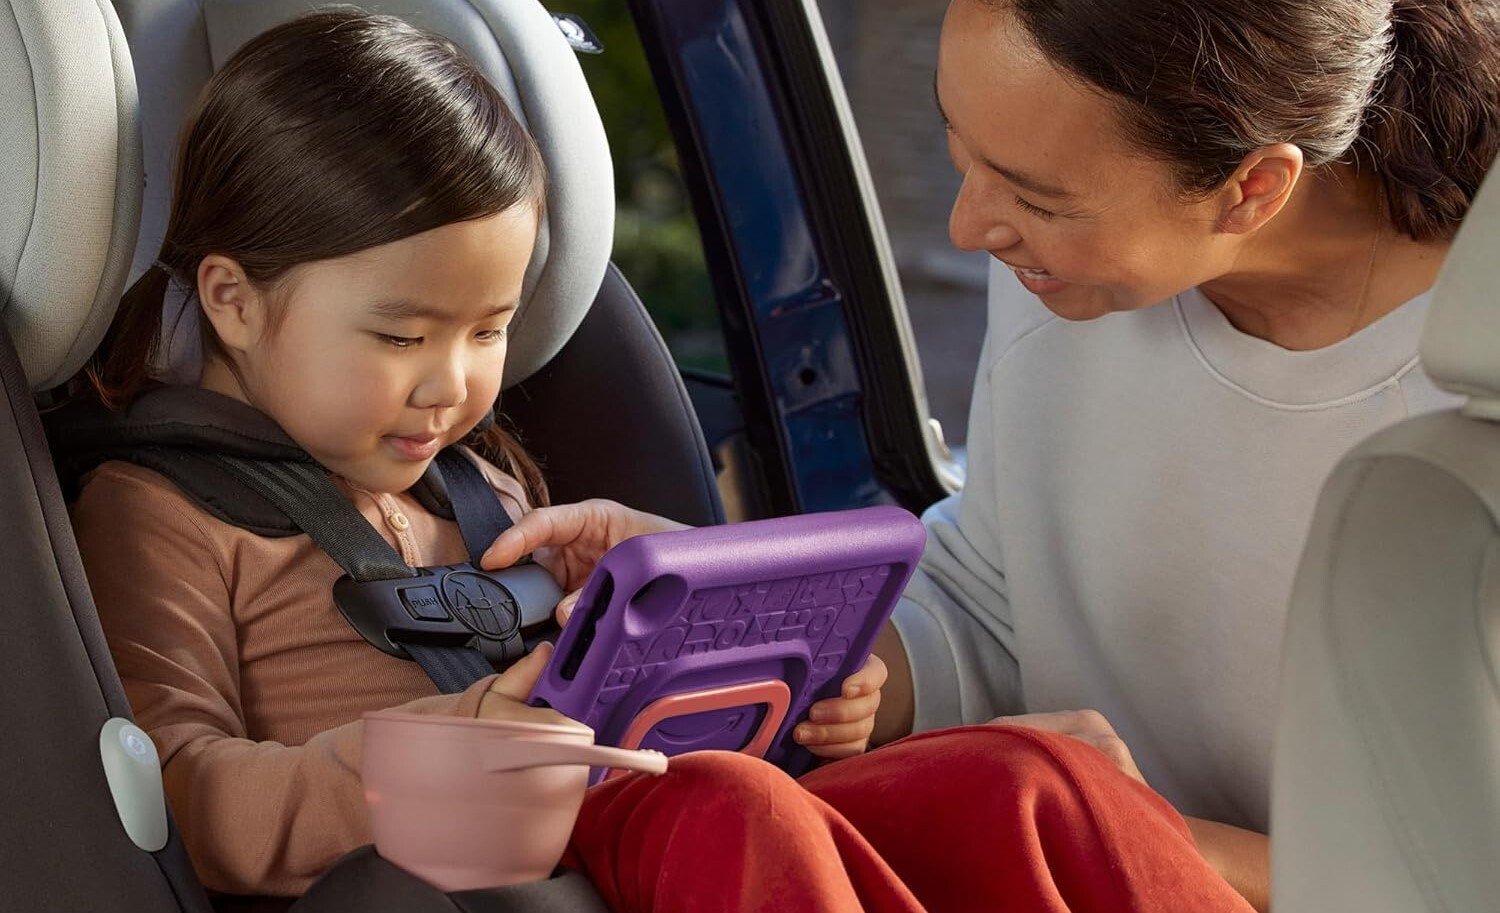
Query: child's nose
[[444, 387]]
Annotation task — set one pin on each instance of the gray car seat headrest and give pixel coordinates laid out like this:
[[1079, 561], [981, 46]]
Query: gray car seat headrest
[[179, 43], [1461, 341], [70, 192]]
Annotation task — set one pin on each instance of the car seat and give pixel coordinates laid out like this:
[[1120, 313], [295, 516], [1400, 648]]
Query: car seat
[[587, 374], [1386, 784], [73, 141]]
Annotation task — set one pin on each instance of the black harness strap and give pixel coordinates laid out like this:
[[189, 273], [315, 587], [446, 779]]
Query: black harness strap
[[239, 465], [452, 669], [307, 495], [481, 517]]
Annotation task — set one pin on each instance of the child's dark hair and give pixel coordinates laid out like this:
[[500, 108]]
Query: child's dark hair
[[327, 135]]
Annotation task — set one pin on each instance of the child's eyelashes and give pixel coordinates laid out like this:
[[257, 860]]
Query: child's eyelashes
[[399, 342], [407, 342]]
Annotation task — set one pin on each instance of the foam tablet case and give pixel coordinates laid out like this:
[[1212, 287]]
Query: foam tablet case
[[723, 637]]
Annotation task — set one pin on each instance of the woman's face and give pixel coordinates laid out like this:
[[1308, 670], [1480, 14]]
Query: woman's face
[[1051, 187]]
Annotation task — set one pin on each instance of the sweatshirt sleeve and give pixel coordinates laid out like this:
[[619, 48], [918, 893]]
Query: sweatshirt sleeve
[[257, 817], [955, 617]]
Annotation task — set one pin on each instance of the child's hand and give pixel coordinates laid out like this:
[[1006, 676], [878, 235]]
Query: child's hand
[[840, 727], [506, 699], [569, 539]]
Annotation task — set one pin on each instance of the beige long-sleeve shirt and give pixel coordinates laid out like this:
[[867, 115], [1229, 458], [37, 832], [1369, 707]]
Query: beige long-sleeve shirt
[[239, 665]]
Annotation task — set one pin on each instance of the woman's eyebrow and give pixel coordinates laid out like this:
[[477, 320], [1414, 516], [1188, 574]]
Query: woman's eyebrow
[[1034, 185], [1020, 178]]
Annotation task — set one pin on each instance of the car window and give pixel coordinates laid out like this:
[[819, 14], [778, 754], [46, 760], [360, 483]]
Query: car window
[[657, 245]]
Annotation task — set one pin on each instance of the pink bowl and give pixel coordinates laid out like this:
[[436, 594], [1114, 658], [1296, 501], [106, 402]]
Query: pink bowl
[[466, 804]]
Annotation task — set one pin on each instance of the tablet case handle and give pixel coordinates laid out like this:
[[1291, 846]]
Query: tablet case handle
[[521, 754]]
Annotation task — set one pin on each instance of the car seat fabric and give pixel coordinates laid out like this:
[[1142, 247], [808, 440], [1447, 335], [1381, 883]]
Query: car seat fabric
[[61, 841], [69, 193], [1386, 782], [624, 433], [69, 206]]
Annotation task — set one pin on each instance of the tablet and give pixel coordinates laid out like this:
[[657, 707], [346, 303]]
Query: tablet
[[722, 637]]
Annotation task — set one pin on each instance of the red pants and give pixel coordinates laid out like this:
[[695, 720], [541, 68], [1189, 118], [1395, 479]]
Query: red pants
[[979, 818]]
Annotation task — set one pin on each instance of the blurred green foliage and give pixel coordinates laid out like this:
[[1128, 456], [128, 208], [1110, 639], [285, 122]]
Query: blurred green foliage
[[657, 245]]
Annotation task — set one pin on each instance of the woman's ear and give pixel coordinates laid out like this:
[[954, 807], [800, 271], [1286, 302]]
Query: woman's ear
[[1260, 187], [230, 302]]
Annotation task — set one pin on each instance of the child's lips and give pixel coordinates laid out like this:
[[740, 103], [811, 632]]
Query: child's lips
[[416, 446]]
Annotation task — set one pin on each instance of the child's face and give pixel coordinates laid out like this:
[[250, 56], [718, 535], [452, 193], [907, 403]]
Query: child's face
[[384, 357]]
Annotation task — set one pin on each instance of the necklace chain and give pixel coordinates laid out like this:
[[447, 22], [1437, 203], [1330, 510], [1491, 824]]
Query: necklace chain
[[1364, 286]]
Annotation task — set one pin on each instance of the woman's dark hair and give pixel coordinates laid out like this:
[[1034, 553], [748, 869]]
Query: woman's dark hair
[[330, 134], [1408, 90]]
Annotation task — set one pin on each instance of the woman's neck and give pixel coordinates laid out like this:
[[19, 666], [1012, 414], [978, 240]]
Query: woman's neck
[[1328, 265]]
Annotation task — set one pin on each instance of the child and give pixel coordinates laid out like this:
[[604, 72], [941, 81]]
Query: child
[[354, 210]]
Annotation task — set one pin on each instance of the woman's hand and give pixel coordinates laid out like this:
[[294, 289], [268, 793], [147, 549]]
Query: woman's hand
[[840, 727], [1241, 857], [1086, 725], [569, 539]]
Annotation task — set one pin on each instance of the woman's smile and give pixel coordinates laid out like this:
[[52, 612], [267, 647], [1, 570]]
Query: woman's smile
[[1037, 281]]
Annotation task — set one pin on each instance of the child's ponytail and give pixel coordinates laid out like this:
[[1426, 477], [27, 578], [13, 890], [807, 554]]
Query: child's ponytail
[[501, 447], [121, 368]]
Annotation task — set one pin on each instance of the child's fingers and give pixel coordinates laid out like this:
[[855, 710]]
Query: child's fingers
[[843, 710], [813, 736], [518, 681], [566, 605], [870, 677]]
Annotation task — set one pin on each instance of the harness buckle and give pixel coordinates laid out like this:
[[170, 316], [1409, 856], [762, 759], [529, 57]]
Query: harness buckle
[[452, 606]]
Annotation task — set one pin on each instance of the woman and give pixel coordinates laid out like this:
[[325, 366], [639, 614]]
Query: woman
[[1237, 210]]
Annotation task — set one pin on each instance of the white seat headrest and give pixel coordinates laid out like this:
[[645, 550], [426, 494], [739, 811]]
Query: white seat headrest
[[70, 191], [179, 43], [1461, 341]]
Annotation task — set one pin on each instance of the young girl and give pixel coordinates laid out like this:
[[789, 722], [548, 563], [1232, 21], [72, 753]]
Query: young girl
[[354, 210]]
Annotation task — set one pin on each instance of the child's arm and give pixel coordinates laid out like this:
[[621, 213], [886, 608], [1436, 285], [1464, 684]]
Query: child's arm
[[257, 817]]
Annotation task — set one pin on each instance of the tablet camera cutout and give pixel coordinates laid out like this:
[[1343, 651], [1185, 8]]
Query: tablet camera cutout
[[595, 609], [657, 603]]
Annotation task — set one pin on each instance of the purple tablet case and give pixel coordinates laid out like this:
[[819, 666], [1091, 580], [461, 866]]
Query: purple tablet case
[[723, 637]]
